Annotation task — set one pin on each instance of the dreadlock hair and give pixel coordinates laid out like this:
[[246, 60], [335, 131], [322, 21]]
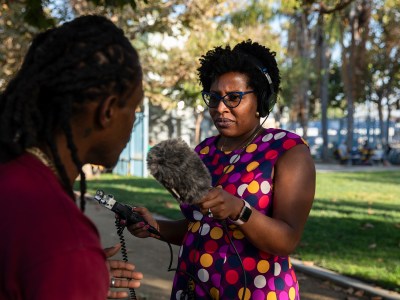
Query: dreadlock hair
[[86, 59], [249, 58]]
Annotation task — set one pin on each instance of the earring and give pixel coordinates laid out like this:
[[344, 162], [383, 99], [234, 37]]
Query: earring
[[257, 114]]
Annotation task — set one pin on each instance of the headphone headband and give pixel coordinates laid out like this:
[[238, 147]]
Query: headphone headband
[[263, 103], [265, 72]]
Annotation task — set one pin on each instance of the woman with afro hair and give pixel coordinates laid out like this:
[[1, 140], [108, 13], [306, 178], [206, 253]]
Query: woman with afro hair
[[235, 244]]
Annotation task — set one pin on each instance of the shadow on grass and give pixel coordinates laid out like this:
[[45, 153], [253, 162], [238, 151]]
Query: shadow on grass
[[351, 207], [339, 237], [372, 177]]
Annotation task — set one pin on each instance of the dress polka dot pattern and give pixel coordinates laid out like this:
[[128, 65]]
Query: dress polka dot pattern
[[207, 253]]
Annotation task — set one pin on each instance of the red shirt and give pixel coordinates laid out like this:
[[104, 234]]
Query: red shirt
[[48, 248]]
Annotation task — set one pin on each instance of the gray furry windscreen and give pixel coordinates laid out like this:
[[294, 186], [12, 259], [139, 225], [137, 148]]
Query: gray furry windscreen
[[179, 169]]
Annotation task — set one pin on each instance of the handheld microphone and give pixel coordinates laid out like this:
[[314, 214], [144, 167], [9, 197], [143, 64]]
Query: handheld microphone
[[124, 211], [180, 170]]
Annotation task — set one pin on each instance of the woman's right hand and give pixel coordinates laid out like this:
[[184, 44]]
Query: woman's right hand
[[140, 229]]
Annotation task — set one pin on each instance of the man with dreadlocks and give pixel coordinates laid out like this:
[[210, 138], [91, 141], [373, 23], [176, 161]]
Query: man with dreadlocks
[[72, 102]]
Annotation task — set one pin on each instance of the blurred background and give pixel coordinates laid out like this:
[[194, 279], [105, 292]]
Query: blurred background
[[339, 62]]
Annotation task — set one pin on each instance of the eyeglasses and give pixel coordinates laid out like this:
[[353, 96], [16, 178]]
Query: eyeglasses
[[231, 99]]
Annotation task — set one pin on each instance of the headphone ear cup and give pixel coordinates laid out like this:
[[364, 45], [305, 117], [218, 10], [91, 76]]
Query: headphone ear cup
[[263, 104]]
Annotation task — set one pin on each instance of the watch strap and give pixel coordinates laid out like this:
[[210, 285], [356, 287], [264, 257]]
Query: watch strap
[[244, 214]]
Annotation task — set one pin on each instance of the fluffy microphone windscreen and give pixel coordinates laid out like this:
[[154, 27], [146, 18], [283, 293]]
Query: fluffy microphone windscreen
[[180, 170]]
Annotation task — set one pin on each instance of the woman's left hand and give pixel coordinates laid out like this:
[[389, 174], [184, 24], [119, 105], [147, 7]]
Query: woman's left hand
[[221, 204], [122, 274]]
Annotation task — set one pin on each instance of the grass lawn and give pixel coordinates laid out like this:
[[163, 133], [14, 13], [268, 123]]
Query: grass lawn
[[353, 229], [354, 226]]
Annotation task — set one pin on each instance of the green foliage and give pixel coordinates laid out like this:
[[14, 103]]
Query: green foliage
[[116, 3], [15, 39], [384, 55], [255, 13], [199, 25], [34, 14], [34, 10], [336, 91]]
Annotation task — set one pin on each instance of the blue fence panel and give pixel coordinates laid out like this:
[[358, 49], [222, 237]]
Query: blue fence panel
[[131, 160]]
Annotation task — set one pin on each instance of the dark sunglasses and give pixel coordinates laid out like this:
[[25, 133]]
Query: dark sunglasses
[[231, 99]]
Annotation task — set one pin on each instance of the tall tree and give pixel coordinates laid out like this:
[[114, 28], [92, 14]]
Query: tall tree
[[384, 57], [354, 28], [323, 55], [299, 63]]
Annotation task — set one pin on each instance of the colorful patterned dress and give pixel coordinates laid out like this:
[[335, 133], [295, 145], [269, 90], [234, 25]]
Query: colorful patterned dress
[[207, 254]]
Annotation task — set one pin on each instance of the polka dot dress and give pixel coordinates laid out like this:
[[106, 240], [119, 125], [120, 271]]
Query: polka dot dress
[[209, 256]]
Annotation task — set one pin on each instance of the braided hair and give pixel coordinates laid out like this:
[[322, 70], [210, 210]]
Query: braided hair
[[249, 58], [87, 59]]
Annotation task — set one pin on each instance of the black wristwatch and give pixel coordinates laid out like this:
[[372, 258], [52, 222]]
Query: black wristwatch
[[244, 214]]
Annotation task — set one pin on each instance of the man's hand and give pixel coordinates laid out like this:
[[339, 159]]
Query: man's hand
[[122, 274]]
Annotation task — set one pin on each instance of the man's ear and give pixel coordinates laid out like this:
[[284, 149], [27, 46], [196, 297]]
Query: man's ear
[[106, 111]]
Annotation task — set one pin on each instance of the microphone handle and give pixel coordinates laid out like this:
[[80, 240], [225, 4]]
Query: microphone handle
[[131, 217]]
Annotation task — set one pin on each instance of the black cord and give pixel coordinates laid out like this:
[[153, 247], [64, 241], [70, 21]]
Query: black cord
[[242, 146], [223, 222], [120, 230]]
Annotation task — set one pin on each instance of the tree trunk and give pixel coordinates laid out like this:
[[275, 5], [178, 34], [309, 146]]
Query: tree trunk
[[324, 81], [323, 58], [303, 44], [389, 115], [348, 65], [197, 133], [348, 87], [381, 123]]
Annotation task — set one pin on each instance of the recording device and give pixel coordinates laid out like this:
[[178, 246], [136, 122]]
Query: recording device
[[124, 211], [180, 170]]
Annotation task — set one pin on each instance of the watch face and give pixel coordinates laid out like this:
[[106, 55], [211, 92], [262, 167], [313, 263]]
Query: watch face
[[246, 214]]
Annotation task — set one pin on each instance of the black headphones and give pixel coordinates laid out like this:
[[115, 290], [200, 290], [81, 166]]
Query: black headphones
[[263, 100], [265, 95]]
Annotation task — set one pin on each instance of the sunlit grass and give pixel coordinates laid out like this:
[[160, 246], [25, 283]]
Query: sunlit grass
[[353, 228]]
